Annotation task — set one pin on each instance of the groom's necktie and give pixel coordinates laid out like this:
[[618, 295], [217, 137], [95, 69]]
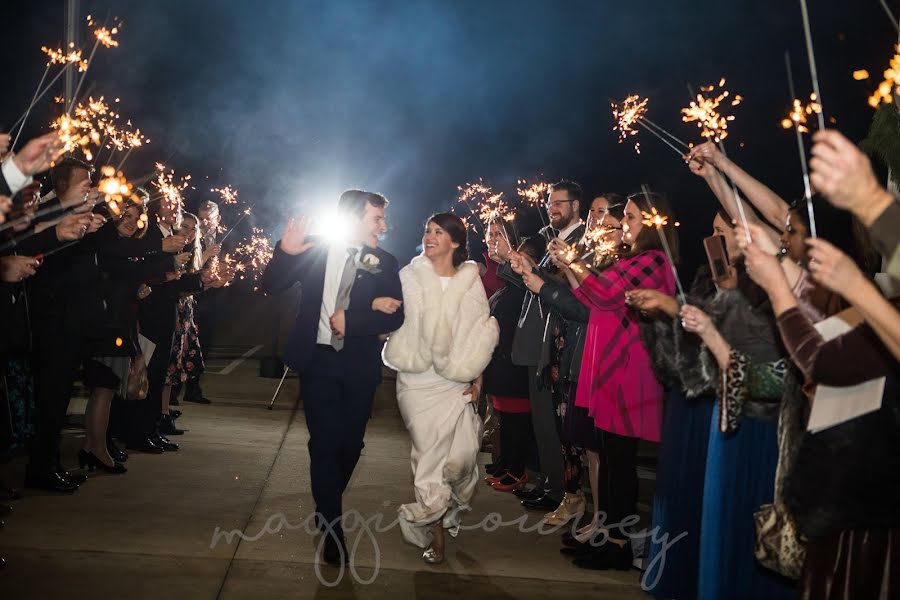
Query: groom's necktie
[[343, 296]]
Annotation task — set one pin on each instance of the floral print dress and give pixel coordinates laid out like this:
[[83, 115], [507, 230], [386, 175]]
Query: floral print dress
[[185, 359]]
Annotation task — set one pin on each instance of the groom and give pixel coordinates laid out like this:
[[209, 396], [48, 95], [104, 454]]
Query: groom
[[334, 345]]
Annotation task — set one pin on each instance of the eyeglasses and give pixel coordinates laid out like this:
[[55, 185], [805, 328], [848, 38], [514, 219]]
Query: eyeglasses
[[557, 203]]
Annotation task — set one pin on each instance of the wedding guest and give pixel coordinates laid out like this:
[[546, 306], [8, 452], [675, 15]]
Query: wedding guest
[[506, 384]]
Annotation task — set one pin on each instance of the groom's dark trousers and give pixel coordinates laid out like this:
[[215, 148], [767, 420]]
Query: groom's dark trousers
[[337, 387]]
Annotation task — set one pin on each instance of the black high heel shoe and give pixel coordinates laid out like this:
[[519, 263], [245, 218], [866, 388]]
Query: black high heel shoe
[[116, 453], [89, 460]]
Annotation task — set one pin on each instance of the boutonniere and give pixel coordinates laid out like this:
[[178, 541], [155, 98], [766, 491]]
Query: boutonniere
[[369, 263]]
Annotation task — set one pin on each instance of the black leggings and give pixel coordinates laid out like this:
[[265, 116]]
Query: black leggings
[[617, 481], [516, 436]]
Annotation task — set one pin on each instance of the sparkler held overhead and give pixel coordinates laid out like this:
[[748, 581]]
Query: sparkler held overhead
[[797, 119], [633, 111]]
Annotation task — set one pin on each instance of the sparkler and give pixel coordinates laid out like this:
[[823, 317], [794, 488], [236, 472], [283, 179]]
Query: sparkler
[[599, 245], [227, 193], [633, 111], [704, 110], [811, 55], [797, 120], [250, 257], [118, 192], [488, 205], [244, 214], [167, 189], [535, 195], [885, 92], [103, 36], [658, 220]]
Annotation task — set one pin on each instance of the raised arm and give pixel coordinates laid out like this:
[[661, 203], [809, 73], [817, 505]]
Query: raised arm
[[291, 259], [772, 206]]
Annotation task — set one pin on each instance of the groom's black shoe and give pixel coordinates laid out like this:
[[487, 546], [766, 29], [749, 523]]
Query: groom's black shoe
[[335, 551], [545, 502]]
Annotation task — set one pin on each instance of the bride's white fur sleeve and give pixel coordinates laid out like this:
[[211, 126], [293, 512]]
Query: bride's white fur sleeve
[[404, 350]]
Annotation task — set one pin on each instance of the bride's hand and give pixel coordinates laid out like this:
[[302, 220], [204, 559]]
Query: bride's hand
[[386, 304], [474, 390]]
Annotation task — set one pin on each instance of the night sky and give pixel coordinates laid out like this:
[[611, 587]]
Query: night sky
[[292, 102]]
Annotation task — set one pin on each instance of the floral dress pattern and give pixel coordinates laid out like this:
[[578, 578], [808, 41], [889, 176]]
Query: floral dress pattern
[[563, 391], [185, 359]]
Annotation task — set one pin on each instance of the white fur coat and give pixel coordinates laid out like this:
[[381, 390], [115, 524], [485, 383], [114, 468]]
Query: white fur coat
[[451, 330]]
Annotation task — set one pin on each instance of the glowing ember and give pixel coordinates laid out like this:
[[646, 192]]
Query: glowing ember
[[170, 191], [860, 75], [227, 193], [251, 256], [60, 57], [534, 194], [885, 92], [105, 36], [705, 111], [632, 109], [488, 206], [118, 192], [800, 114], [654, 218]]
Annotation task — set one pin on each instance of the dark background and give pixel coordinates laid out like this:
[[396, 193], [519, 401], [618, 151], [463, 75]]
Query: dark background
[[292, 101]]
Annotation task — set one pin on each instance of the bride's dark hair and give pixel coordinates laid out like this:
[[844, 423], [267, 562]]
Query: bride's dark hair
[[456, 229]]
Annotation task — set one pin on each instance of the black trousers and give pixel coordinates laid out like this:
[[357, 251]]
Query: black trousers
[[143, 415], [57, 358], [337, 406], [543, 422], [516, 437], [618, 482]]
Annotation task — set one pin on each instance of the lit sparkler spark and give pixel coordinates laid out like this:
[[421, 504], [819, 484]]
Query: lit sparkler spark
[[654, 218], [800, 113], [227, 193], [534, 194], [251, 257], [600, 245], [885, 92], [60, 57], [860, 75], [633, 108], [488, 206], [170, 191], [118, 192], [705, 111], [76, 133], [105, 36]]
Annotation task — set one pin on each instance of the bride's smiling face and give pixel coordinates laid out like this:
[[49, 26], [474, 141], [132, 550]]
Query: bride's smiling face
[[436, 243]]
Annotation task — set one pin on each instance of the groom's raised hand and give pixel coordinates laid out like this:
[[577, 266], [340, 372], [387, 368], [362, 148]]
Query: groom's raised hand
[[293, 241]]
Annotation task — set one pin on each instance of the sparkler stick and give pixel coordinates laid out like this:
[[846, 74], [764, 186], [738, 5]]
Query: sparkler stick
[[36, 99], [797, 117], [43, 255], [680, 153], [104, 36], [28, 110], [658, 221], [666, 133], [812, 61], [238, 222], [890, 15]]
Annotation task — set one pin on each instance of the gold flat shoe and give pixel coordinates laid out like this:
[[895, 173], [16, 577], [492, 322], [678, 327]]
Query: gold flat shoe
[[432, 556]]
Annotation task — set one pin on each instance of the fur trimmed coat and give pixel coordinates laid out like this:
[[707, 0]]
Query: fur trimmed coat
[[451, 330]]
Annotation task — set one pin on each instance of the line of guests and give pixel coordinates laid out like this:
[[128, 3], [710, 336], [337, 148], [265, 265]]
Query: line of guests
[[599, 350], [89, 290]]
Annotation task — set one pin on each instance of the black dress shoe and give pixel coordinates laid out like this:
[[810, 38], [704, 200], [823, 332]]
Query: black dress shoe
[[197, 399], [8, 493], [335, 551], [529, 494], [174, 413], [545, 503], [116, 453], [91, 462], [50, 481], [76, 478], [167, 426], [164, 443], [607, 557], [145, 445]]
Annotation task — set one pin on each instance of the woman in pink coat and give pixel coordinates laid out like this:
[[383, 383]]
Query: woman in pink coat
[[616, 383]]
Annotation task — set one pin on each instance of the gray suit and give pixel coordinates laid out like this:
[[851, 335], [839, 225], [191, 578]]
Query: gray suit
[[531, 347]]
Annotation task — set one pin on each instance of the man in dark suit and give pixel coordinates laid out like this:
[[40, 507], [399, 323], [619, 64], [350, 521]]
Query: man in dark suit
[[334, 345], [531, 346]]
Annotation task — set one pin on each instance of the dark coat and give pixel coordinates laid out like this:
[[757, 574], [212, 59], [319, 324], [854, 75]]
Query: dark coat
[[362, 346], [502, 377]]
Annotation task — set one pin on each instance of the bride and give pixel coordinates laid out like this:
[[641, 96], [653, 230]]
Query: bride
[[442, 348]]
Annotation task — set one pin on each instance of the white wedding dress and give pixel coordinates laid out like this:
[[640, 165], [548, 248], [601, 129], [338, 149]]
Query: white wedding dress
[[453, 330]]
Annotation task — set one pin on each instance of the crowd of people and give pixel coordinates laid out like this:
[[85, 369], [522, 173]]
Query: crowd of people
[[770, 383], [101, 293]]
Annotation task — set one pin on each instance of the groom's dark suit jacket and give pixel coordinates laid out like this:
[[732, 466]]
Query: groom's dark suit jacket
[[362, 348]]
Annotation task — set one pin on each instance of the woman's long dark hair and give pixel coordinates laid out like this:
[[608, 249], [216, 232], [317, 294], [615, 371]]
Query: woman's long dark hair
[[647, 238], [456, 229]]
